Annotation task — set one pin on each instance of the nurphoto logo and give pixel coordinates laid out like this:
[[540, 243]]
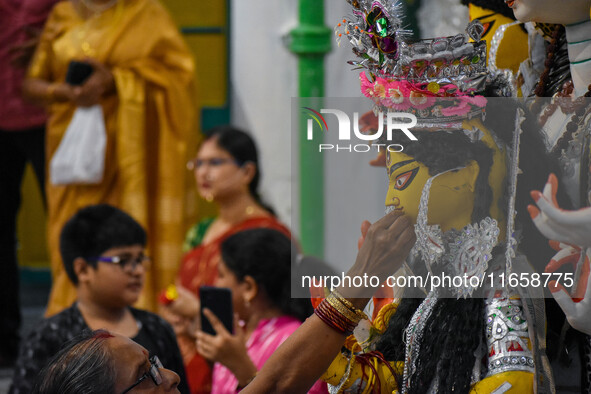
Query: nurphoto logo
[[394, 122]]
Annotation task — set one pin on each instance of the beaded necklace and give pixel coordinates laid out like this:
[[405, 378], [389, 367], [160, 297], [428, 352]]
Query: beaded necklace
[[568, 106], [577, 107]]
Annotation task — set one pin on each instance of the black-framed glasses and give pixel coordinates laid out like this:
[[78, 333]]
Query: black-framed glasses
[[125, 262], [215, 162], [153, 372]]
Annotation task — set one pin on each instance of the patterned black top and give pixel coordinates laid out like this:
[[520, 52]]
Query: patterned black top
[[51, 334]]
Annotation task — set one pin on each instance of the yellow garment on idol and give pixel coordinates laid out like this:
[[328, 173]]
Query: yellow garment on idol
[[150, 124], [513, 49], [367, 373]]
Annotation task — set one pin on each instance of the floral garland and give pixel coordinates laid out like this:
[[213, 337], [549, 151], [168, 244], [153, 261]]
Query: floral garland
[[402, 95]]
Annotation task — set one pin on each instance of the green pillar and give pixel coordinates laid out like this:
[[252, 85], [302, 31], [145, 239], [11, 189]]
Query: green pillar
[[310, 41]]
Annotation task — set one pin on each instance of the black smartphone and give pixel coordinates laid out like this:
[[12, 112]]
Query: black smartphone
[[78, 72], [219, 301]]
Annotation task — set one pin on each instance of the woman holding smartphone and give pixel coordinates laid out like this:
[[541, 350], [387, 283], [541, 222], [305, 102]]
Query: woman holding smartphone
[[142, 78], [255, 266]]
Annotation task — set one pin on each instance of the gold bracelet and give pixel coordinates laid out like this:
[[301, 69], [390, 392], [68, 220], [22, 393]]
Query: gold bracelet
[[50, 91], [345, 307], [348, 304], [346, 312], [345, 301]]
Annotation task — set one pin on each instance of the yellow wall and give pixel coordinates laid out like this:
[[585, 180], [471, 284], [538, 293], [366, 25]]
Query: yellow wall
[[209, 49]]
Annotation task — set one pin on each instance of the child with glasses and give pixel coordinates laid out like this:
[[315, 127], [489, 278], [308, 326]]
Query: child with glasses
[[103, 253], [100, 362]]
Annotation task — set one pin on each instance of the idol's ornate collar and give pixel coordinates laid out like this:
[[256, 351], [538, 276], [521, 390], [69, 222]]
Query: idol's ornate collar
[[464, 253]]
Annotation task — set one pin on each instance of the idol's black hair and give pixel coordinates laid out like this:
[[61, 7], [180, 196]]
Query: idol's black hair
[[455, 329]]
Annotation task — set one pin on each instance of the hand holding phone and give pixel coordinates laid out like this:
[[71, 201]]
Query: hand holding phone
[[91, 81], [78, 72], [219, 301], [222, 346]]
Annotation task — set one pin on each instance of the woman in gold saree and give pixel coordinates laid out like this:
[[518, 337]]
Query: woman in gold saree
[[143, 79]]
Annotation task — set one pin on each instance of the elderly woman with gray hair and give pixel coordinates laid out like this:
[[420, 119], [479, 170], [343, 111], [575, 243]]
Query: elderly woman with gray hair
[[104, 363]]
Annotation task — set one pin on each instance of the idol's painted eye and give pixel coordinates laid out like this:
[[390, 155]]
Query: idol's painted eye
[[404, 180], [488, 25]]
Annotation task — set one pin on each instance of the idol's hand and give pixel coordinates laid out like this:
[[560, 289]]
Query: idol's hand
[[572, 227], [576, 307]]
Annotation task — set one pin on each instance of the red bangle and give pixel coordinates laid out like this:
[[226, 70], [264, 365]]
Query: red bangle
[[334, 319]]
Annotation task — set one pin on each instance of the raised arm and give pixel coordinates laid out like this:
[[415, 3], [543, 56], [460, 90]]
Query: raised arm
[[304, 356]]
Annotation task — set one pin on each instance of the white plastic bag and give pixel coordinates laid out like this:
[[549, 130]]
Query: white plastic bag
[[80, 157]]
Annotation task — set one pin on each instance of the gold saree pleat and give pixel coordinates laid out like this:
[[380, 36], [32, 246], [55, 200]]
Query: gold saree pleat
[[150, 126]]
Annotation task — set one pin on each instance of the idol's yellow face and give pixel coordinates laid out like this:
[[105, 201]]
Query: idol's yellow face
[[452, 194]]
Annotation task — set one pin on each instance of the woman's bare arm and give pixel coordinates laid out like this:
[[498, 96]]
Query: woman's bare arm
[[43, 92], [305, 355]]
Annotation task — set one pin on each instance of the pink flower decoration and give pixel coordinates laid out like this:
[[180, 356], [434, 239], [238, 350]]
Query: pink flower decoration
[[420, 100], [459, 110], [379, 88], [366, 86], [478, 101], [398, 94]]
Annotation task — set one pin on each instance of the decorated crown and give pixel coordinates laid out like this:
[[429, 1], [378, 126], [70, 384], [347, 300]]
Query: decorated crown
[[410, 75]]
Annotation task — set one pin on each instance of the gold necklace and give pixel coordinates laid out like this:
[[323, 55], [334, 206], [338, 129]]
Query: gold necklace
[[91, 31]]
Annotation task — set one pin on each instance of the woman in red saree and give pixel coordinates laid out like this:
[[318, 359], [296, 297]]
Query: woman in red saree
[[226, 171]]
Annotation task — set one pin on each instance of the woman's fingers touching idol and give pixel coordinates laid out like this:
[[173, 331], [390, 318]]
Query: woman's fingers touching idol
[[385, 245], [364, 229]]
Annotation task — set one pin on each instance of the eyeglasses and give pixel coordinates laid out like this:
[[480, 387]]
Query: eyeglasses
[[127, 263], [215, 162], [153, 372]]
